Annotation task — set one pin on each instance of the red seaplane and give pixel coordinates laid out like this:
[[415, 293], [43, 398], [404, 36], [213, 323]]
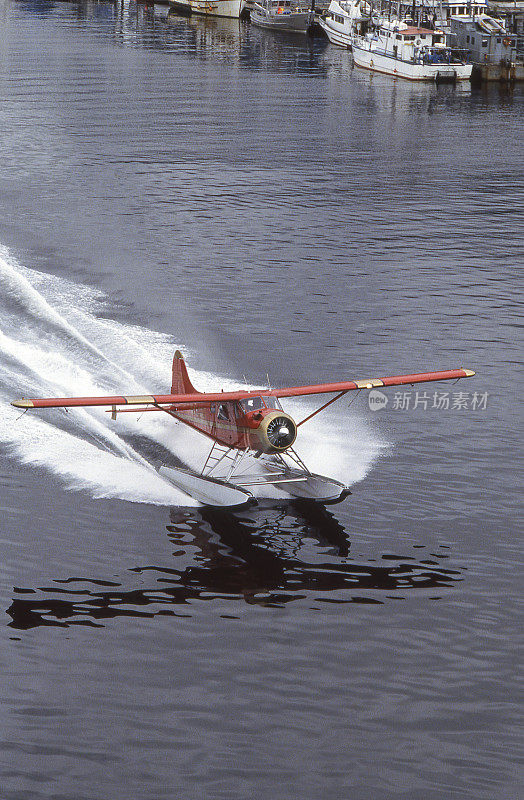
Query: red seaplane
[[249, 430]]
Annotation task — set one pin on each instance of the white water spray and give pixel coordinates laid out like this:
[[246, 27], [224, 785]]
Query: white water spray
[[53, 343]]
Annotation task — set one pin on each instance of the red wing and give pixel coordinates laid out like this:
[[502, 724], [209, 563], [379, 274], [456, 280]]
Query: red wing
[[134, 400], [372, 383], [216, 397]]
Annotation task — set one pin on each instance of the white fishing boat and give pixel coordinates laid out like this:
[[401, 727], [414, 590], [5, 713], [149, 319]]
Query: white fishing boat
[[282, 15], [344, 19], [212, 8], [418, 54]]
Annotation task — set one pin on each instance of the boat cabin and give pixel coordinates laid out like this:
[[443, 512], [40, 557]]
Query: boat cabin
[[421, 36], [485, 38], [276, 6], [414, 45]]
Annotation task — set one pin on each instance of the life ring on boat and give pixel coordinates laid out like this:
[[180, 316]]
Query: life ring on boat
[[506, 42]]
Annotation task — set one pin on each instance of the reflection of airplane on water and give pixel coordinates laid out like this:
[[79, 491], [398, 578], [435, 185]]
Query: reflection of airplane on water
[[268, 557]]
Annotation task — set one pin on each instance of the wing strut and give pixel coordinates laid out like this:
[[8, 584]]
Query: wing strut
[[341, 394]]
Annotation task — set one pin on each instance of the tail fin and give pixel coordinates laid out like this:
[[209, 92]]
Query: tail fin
[[181, 383]]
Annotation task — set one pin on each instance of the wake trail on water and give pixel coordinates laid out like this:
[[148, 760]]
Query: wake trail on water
[[54, 341]]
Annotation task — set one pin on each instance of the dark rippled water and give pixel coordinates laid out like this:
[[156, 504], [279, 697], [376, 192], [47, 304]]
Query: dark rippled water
[[260, 204]]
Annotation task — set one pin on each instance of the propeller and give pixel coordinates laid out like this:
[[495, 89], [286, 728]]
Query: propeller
[[281, 432]]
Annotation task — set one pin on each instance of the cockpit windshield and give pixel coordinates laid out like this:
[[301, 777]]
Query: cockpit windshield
[[256, 403], [272, 402], [251, 404]]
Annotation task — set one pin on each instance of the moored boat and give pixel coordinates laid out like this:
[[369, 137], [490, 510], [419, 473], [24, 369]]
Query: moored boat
[[418, 54], [343, 20], [282, 15]]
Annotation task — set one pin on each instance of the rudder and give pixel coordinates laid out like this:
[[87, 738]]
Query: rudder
[[181, 383]]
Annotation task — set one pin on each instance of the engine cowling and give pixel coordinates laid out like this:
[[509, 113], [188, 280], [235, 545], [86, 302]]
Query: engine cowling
[[277, 431]]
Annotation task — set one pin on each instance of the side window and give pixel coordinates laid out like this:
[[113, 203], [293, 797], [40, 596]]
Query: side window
[[223, 412]]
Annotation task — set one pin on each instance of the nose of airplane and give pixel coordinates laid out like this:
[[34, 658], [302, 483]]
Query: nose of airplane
[[280, 431]]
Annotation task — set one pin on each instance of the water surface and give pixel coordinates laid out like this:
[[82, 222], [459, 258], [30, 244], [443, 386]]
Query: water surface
[[260, 204]]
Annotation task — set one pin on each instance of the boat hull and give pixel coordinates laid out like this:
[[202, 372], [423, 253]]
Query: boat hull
[[288, 23], [335, 36], [389, 65]]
